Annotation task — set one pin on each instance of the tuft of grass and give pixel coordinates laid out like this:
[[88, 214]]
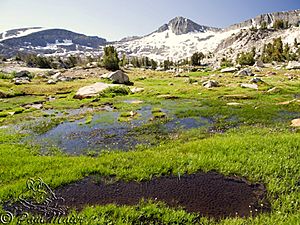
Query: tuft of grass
[[115, 91], [158, 113], [6, 75], [89, 119]]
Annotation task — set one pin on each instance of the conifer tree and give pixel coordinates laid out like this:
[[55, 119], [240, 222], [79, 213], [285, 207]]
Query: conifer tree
[[110, 58]]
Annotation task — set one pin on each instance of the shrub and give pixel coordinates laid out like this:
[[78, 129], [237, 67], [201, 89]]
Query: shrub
[[264, 25], [226, 62], [115, 91], [246, 58], [6, 75], [280, 24]]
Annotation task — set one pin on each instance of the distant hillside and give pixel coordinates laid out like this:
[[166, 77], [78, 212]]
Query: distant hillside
[[50, 41]]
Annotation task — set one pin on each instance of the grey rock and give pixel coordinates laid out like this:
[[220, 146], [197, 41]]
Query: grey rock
[[229, 70], [23, 74], [92, 90], [56, 76], [295, 122], [210, 84], [118, 77], [136, 90], [21, 80], [34, 106], [51, 81], [256, 80], [60, 77], [233, 103], [259, 64], [292, 65], [66, 78], [92, 65], [252, 86], [245, 72]]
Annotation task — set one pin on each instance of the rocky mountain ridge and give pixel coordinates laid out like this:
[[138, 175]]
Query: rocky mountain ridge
[[293, 17], [180, 25], [50, 41]]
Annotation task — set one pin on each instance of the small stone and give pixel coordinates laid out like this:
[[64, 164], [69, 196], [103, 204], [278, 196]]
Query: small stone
[[270, 73], [22, 80], [168, 96], [136, 90], [259, 64], [287, 102], [295, 123], [233, 104], [34, 106], [293, 65], [273, 90], [256, 80], [245, 72], [251, 86], [229, 70], [136, 102], [210, 84], [51, 81]]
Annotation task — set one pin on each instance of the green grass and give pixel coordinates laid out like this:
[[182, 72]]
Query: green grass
[[6, 75], [260, 156], [115, 91], [198, 74]]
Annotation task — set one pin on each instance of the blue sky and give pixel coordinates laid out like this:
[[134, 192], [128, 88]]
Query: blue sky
[[115, 19]]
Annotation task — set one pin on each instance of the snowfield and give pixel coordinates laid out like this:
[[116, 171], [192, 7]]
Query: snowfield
[[162, 45], [20, 32]]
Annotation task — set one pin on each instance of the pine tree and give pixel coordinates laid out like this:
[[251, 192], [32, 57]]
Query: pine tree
[[295, 43], [124, 60], [286, 52], [110, 58], [263, 25], [196, 58], [153, 64], [279, 24], [275, 52], [278, 50]]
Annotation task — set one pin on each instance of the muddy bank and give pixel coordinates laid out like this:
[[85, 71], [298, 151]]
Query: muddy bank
[[209, 194]]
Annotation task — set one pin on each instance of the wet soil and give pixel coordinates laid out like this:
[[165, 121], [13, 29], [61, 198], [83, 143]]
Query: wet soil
[[209, 194]]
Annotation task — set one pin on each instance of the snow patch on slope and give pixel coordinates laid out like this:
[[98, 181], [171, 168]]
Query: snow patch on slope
[[166, 44], [8, 34]]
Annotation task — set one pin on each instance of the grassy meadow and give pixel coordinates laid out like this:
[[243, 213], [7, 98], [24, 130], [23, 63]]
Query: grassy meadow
[[248, 135]]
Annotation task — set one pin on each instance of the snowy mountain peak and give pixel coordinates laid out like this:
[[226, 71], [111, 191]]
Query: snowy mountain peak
[[180, 25]]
